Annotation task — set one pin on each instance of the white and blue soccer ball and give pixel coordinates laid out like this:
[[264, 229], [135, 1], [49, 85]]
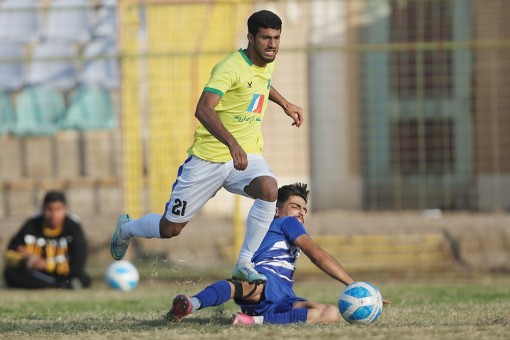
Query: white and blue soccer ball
[[360, 303], [122, 275]]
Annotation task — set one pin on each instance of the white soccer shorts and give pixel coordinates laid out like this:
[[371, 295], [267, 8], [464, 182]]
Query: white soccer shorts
[[199, 180]]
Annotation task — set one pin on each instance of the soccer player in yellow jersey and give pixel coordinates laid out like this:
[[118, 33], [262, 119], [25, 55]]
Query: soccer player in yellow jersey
[[227, 149]]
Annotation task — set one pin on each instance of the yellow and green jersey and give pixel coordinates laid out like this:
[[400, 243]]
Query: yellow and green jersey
[[244, 91]]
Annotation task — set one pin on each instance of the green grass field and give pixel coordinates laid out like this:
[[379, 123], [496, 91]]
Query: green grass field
[[443, 307]]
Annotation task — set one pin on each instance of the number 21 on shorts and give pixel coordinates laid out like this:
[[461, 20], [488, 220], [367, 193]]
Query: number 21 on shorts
[[179, 207]]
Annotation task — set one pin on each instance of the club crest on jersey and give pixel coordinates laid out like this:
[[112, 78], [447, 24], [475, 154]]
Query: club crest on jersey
[[257, 102]]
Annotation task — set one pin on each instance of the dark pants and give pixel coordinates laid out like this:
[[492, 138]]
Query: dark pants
[[31, 279]]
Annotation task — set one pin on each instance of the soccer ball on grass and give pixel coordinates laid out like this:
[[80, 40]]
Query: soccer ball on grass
[[360, 303], [122, 275]]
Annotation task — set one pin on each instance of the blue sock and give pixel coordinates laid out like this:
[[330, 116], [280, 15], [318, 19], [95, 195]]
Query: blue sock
[[214, 295], [293, 316]]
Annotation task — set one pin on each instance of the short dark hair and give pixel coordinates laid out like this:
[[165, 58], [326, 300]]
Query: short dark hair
[[263, 19], [54, 196], [296, 189]]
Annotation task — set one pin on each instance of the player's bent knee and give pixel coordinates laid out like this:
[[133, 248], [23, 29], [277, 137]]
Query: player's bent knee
[[244, 292], [270, 189], [264, 188]]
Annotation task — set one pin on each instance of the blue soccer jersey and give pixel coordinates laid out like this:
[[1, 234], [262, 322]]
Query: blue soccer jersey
[[276, 258], [277, 252]]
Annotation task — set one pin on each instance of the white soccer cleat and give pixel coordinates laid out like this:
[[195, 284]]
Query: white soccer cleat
[[246, 272], [118, 246]]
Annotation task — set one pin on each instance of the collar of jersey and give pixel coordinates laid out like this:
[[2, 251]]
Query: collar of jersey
[[250, 63], [245, 57]]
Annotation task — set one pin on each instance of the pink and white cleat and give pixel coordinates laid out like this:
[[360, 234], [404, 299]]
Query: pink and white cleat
[[241, 319], [181, 307]]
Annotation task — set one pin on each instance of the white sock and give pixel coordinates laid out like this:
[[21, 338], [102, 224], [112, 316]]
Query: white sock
[[195, 304], [146, 226], [259, 319], [259, 218]]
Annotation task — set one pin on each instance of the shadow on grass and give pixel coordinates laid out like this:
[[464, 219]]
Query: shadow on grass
[[185, 323], [216, 316]]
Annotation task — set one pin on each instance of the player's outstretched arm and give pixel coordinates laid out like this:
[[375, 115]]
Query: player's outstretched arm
[[323, 259], [209, 118], [293, 111]]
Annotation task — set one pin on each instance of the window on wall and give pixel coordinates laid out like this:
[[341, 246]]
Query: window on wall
[[416, 71], [422, 146]]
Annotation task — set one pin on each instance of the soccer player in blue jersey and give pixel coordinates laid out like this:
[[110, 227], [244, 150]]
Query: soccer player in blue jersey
[[274, 302], [227, 148]]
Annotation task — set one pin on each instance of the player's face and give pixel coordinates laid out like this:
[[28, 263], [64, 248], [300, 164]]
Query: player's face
[[265, 45], [294, 206], [54, 214]]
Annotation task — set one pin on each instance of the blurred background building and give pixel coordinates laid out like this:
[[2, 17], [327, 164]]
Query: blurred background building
[[407, 102]]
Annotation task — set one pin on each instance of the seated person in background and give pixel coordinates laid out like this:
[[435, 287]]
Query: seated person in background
[[274, 302], [49, 251]]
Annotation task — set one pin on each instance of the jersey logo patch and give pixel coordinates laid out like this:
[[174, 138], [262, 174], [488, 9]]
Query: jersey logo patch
[[257, 102]]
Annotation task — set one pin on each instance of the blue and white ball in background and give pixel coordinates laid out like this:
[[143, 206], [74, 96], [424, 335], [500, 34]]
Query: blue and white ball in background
[[122, 275], [360, 303]]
